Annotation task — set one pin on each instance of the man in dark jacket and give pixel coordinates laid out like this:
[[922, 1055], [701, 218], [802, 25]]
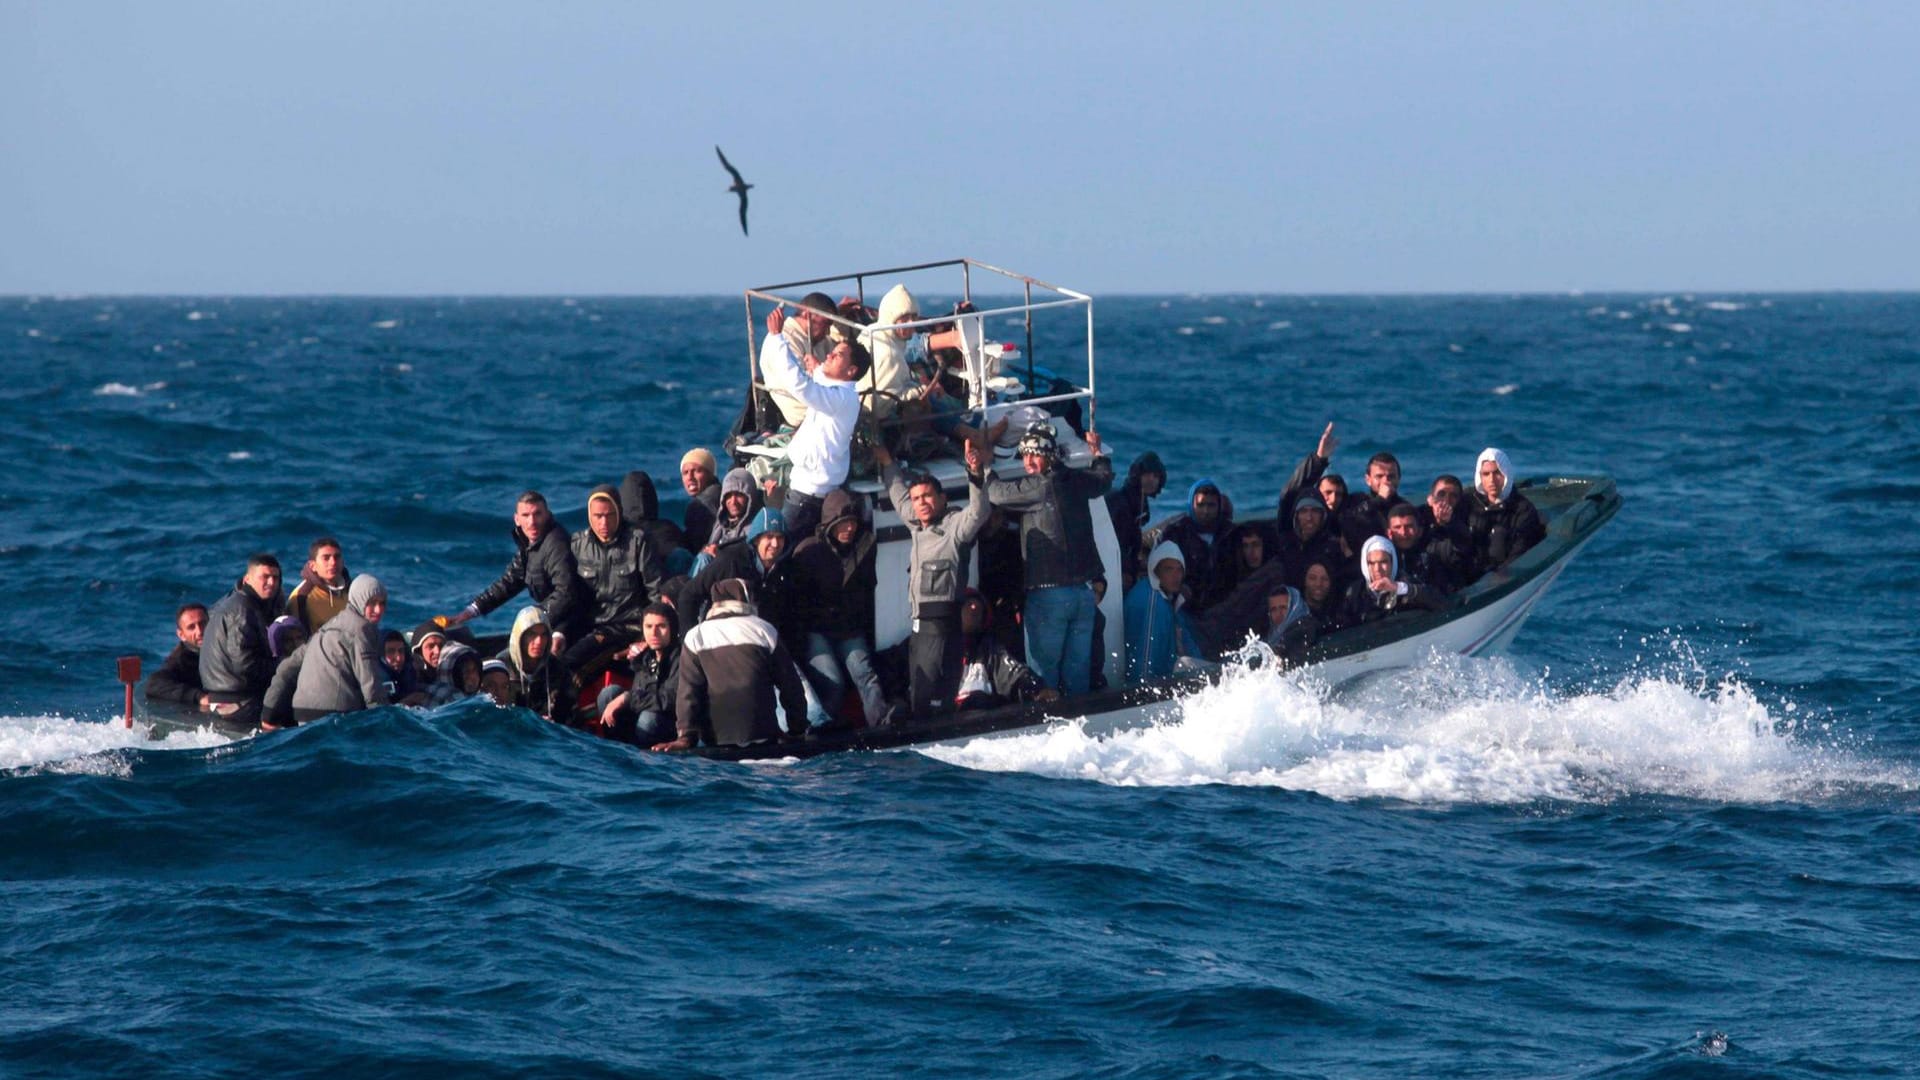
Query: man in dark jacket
[[236, 663], [643, 713], [1129, 508], [832, 604], [761, 561], [1503, 522], [1365, 515], [1384, 589], [700, 479], [640, 505], [542, 565], [1443, 521], [1307, 540], [620, 568], [732, 667], [177, 679], [941, 550], [1201, 535], [1417, 564], [1056, 540]]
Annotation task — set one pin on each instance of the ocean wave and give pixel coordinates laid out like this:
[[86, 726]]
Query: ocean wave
[[1457, 731], [64, 745]]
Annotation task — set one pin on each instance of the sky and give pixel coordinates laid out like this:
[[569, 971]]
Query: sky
[[206, 148]]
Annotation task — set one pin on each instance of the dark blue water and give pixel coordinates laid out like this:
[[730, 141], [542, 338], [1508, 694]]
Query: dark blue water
[[1676, 832]]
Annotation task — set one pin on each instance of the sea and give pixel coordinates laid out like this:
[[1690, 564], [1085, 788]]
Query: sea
[[1673, 832]]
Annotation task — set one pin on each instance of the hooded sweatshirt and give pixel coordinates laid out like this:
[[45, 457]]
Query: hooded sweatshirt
[[1204, 551], [1505, 528], [728, 529], [1290, 639], [832, 586], [315, 599], [731, 668], [772, 585], [543, 682], [821, 447], [1129, 508], [640, 504], [545, 569], [892, 370], [446, 688], [342, 670], [1159, 630], [622, 573], [1363, 605]]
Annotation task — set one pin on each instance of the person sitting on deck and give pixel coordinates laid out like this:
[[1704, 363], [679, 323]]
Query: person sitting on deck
[[1417, 565], [832, 603], [1056, 539], [338, 669], [1130, 507], [700, 479], [1201, 533], [1448, 539], [460, 672], [1291, 628], [496, 681], [429, 640], [322, 592], [396, 666], [732, 668], [620, 568], [821, 449], [889, 383], [761, 561], [1503, 522], [1323, 602], [540, 677], [938, 559], [1307, 540], [1160, 632], [807, 339], [1384, 589], [740, 500], [177, 679], [543, 566], [989, 675], [1245, 550], [236, 662], [1365, 515], [642, 713]]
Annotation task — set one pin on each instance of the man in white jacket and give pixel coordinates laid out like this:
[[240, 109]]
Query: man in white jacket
[[823, 443]]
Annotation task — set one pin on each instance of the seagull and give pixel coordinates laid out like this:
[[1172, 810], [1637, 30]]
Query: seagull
[[739, 188]]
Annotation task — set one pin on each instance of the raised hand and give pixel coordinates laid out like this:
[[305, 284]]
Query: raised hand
[[776, 319], [1327, 444]]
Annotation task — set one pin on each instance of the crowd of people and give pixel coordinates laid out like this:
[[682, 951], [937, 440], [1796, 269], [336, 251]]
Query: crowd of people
[[753, 617]]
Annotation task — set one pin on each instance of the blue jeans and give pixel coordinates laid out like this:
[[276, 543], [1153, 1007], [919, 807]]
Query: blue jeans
[[830, 663], [1060, 636]]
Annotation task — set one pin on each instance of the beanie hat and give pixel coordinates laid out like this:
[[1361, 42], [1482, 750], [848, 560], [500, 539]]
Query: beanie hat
[[734, 590], [365, 590], [768, 520], [426, 630], [495, 664], [1310, 501], [1040, 439], [700, 455]]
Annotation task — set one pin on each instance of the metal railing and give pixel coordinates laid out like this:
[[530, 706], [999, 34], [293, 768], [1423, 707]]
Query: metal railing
[[855, 328]]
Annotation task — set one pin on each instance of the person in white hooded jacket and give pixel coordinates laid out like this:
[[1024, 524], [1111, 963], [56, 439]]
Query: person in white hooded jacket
[[1159, 632], [894, 354], [1503, 522]]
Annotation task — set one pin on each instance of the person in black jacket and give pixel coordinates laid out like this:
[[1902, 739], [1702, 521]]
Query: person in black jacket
[[989, 674], [700, 479], [761, 561], [1449, 540], [832, 604], [732, 668], [1385, 588], [1130, 506], [1504, 523], [620, 568], [542, 565], [1417, 564], [1201, 535], [640, 505], [1365, 515], [1307, 540], [177, 679], [643, 713]]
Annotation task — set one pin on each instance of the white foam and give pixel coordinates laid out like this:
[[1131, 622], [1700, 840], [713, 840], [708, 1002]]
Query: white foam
[[116, 389], [1679, 327], [1185, 331], [1723, 305], [240, 455], [1215, 320], [1505, 388], [386, 324], [58, 744], [196, 316], [1455, 731], [1281, 324]]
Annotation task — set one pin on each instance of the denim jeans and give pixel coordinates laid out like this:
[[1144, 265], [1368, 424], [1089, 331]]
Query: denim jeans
[[830, 663], [1060, 636]]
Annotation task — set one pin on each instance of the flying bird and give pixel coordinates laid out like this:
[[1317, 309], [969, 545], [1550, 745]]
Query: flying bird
[[739, 188]]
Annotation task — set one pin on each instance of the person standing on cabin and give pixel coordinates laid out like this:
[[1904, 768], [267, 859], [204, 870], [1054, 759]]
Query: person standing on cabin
[[177, 679], [322, 592], [808, 339], [700, 479], [1056, 540], [1503, 522], [822, 446], [621, 571], [236, 664], [543, 566], [937, 562]]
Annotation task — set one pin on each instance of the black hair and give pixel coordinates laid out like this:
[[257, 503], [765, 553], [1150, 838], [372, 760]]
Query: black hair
[[665, 611], [821, 302], [392, 636], [1447, 478], [1382, 458], [1338, 481], [923, 478], [313, 549], [261, 558], [532, 498], [862, 359], [1402, 510], [191, 605]]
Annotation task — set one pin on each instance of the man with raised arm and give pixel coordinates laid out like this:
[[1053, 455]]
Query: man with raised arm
[[808, 339], [1056, 541], [822, 445], [937, 571]]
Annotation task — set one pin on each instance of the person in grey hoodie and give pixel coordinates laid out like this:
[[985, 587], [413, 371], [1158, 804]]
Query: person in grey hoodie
[[937, 563], [340, 671]]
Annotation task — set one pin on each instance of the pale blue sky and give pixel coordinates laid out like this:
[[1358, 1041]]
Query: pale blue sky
[[568, 147]]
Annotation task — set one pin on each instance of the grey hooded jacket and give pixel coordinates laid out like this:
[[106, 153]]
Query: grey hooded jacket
[[937, 561], [341, 670]]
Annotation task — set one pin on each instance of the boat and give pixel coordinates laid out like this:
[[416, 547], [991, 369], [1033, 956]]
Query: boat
[[1479, 620]]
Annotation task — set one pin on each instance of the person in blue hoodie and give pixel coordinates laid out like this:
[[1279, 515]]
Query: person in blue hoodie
[[1159, 631]]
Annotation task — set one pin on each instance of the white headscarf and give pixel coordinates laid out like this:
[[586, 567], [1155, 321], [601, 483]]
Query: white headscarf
[[1498, 457], [1380, 543], [890, 370]]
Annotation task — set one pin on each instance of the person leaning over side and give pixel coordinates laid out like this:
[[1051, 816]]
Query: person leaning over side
[[177, 679], [543, 566], [937, 561], [822, 445], [236, 663], [1056, 539]]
